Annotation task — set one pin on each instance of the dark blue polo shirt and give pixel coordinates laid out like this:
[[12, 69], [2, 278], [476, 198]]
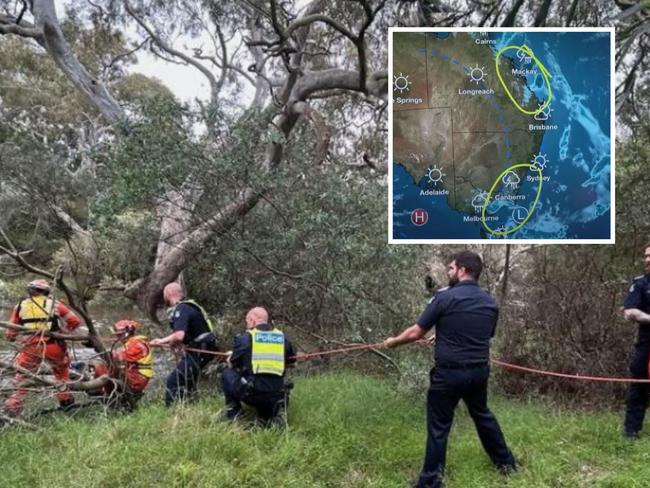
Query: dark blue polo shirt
[[465, 318], [639, 297], [189, 319]]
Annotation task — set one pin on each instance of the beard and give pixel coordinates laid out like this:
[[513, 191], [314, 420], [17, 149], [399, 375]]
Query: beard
[[453, 280]]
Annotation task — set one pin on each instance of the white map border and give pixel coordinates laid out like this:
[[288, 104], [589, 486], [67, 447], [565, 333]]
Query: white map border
[[612, 137]]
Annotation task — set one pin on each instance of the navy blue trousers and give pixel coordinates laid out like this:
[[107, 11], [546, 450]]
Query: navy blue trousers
[[448, 387], [637, 395], [182, 381], [267, 403]]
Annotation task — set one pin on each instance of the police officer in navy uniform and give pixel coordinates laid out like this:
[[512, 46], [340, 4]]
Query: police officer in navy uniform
[[465, 319], [192, 328], [257, 368], [637, 309]]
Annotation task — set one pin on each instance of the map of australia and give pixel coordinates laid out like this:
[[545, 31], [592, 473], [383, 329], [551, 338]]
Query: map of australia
[[501, 135]]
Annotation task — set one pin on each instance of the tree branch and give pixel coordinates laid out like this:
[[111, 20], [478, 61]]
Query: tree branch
[[12, 25], [47, 24], [310, 19], [54, 335], [214, 84], [70, 385], [334, 78]]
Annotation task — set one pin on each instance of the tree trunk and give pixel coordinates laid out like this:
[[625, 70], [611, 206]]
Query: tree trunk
[[174, 213], [572, 13], [506, 273], [540, 18], [173, 258]]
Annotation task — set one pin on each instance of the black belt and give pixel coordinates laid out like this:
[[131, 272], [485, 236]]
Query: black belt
[[205, 338], [461, 365]]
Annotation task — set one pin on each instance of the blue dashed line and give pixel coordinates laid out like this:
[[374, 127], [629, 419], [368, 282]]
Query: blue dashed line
[[433, 52], [421, 50], [496, 107], [505, 129], [444, 56], [455, 61], [501, 119]]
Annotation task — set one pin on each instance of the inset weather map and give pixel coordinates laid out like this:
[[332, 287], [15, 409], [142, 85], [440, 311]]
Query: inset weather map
[[501, 135]]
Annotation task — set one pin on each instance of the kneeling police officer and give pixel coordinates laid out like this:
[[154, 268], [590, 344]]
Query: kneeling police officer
[[256, 368]]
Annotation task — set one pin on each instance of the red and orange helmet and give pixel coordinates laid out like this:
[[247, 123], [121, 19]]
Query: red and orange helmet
[[126, 326], [39, 285]]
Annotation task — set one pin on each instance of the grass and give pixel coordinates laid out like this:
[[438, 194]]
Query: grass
[[346, 430]]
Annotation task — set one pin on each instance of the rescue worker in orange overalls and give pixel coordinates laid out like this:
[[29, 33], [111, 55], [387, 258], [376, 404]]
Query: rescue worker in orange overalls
[[40, 312], [133, 358]]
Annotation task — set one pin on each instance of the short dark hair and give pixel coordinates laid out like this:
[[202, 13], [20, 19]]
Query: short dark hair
[[470, 261]]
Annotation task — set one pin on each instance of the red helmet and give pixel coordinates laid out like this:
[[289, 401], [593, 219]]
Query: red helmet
[[39, 285], [126, 326]]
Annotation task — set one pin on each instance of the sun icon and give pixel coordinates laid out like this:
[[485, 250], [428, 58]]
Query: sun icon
[[401, 83], [435, 174], [539, 161], [477, 74]]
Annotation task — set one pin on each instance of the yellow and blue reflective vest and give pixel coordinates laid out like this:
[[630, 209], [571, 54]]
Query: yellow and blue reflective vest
[[267, 351]]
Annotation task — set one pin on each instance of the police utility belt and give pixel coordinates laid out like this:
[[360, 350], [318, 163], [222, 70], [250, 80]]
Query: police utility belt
[[461, 365], [205, 339]]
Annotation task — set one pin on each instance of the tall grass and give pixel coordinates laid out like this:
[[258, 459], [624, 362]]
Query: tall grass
[[345, 430]]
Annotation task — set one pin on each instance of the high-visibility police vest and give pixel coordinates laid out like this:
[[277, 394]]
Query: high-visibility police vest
[[203, 312], [38, 313], [145, 364], [267, 351]]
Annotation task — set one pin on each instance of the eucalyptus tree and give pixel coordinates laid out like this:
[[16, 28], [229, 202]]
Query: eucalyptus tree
[[291, 57]]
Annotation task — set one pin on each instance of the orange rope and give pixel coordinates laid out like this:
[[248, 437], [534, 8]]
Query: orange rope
[[607, 379], [495, 361], [192, 349], [543, 372], [356, 347], [298, 357]]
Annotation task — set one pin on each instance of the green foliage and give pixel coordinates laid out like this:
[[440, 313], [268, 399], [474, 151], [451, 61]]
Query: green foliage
[[136, 88], [315, 253], [153, 153], [563, 315], [127, 244], [633, 185], [344, 431]]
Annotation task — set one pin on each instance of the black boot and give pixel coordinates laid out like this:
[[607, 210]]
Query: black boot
[[231, 412]]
